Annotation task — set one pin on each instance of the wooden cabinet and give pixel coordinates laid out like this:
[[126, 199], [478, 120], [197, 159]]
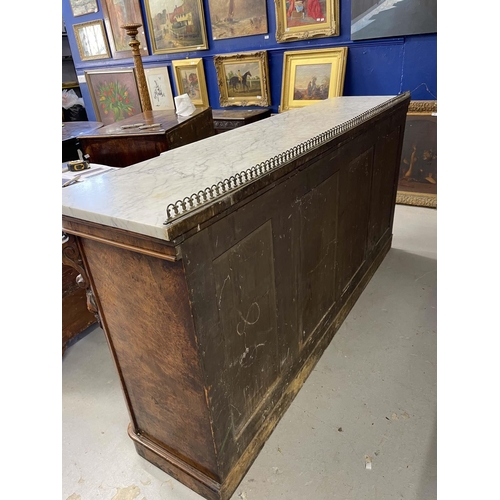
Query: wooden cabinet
[[229, 119], [217, 306], [115, 146]]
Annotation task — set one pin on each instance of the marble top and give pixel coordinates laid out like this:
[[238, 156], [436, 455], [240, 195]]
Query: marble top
[[135, 198]]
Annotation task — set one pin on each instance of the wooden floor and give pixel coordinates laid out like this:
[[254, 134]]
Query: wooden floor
[[371, 399]]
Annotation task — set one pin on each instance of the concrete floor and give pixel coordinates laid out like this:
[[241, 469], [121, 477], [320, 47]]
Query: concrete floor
[[372, 394]]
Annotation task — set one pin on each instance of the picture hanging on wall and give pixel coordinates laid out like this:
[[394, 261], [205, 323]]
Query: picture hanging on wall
[[243, 79], [235, 18], [310, 76], [160, 91], [91, 40], [82, 7], [176, 25], [303, 19], [379, 19], [190, 79], [114, 93], [417, 184], [116, 14]]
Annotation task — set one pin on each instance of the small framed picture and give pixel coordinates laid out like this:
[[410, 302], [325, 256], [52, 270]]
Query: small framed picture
[[190, 79], [114, 94], [82, 7], [303, 19], [310, 76], [160, 91], [243, 79], [91, 40], [176, 26]]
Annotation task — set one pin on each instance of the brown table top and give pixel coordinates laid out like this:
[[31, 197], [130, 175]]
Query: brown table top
[[73, 129], [167, 119], [237, 114]]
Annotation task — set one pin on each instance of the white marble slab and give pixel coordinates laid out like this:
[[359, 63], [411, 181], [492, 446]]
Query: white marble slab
[[135, 198]]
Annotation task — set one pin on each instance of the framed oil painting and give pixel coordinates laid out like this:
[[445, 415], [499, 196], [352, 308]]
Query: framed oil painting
[[243, 79], [160, 91], [310, 76], [176, 25], [82, 7], [302, 19], [116, 14], [114, 93], [190, 79], [235, 18], [91, 40], [417, 184]]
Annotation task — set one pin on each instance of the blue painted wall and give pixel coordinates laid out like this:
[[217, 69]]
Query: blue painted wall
[[374, 67]]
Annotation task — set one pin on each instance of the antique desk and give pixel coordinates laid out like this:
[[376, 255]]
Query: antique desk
[[70, 133], [117, 147], [220, 279], [227, 119]]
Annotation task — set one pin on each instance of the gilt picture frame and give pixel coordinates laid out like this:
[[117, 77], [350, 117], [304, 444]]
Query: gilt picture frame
[[417, 181], [310, 76], [91, 40], [303, 19], [160, 90], [117, 13], [190, 79], [176, 26], [243, 79], [114, 93]]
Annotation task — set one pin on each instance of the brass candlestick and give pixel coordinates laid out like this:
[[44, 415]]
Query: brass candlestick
[[132, 31]]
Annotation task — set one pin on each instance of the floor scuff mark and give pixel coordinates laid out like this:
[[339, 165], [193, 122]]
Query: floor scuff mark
[[128, 493]]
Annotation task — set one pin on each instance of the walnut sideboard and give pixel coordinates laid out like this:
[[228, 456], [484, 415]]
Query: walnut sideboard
[[221, 271], [116, 146]]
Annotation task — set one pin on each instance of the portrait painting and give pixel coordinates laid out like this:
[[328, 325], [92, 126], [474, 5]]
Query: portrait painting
[[243, 79], [417, 184], [190, 79], [114, 94], [237, 18], [176, 25], [310, 76], [302, 19], [116, 14]]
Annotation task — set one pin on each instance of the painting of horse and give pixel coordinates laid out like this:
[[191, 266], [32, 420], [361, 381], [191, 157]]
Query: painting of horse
[[239, 83], [243, 79]]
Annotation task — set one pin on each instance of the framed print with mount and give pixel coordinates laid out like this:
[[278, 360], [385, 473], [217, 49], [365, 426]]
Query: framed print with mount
[[116, 14], [310, 76], [160, 91], [176, 25], [302, 19], [243, 79], [417, 183], [114, 94], [190, 79], [91, 40], [82, 7]]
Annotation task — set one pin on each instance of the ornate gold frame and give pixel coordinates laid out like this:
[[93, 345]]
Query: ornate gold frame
[[420, 199], [336, 56], [196, 65], [83, 57], [248, 57], [330, 27], [187, 48]]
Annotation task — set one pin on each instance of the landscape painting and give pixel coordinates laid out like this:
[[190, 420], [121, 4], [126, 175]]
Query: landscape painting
[[236, 18], [243, 79], [176, 25]]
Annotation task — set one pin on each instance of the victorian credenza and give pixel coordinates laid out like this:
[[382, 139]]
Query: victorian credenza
[[221, 271]]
